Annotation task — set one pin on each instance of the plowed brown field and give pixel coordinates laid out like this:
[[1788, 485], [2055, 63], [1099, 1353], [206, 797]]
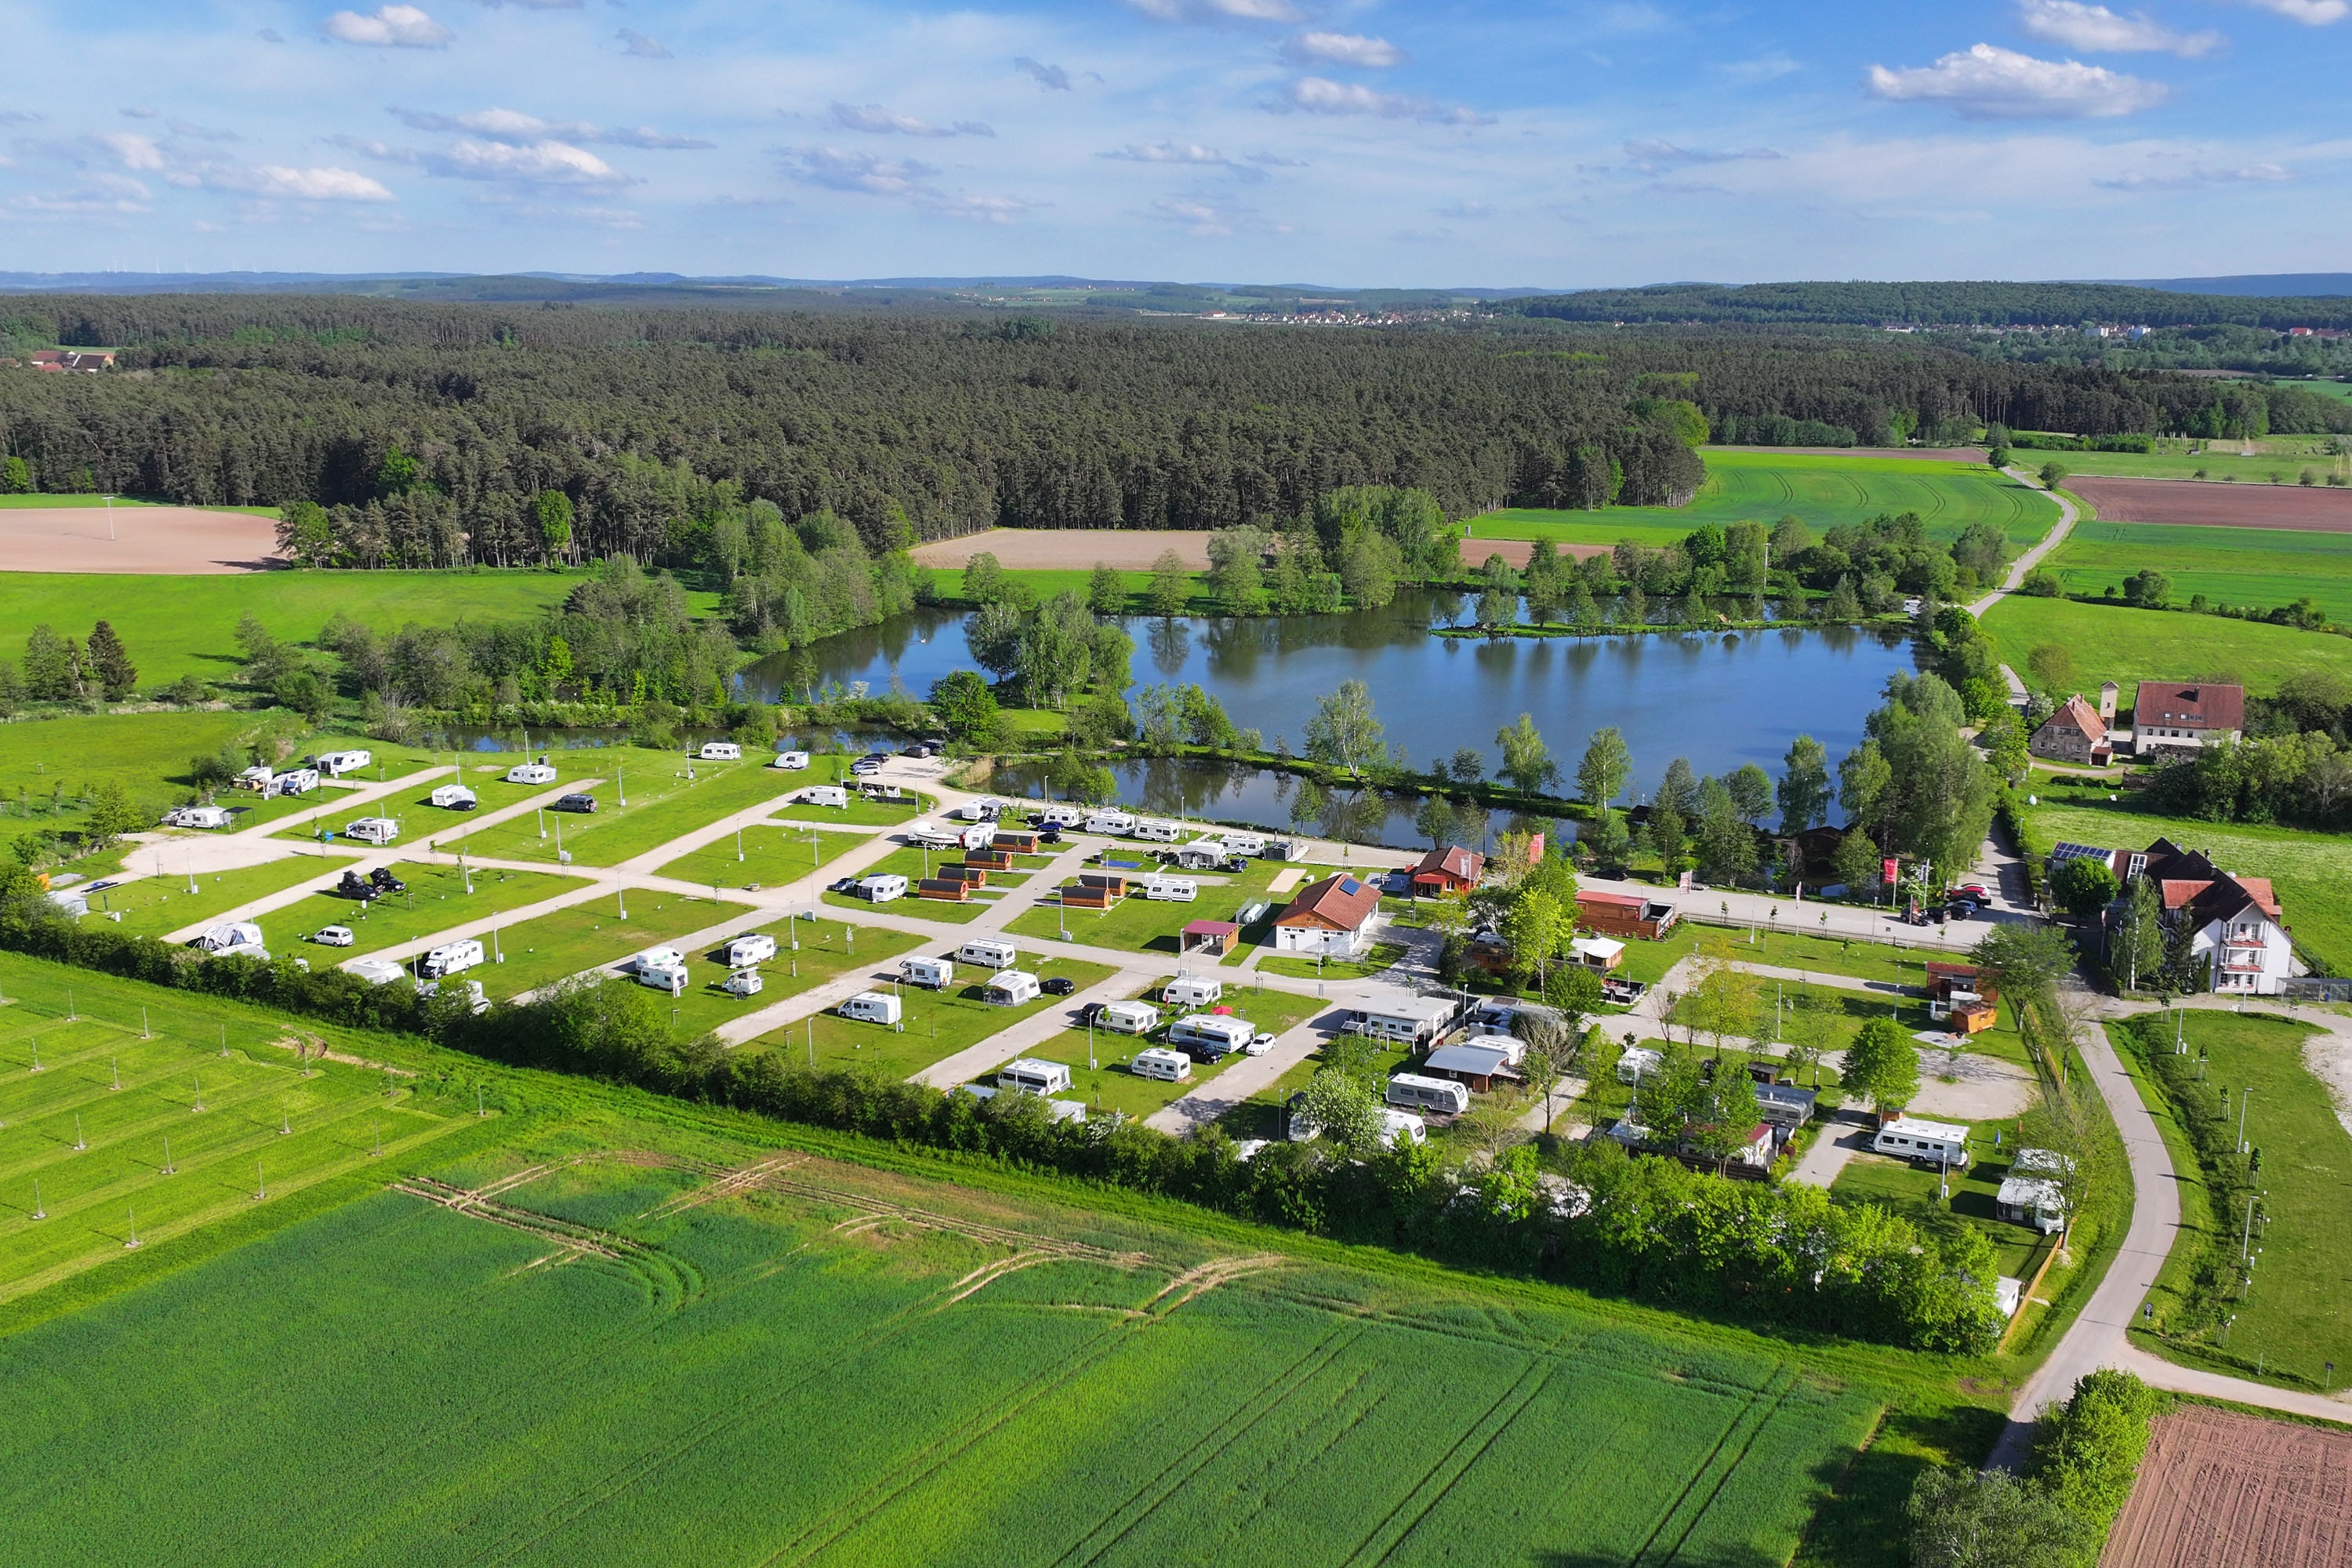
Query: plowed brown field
[[171, 541], [2217, 505], [2219, 1490]]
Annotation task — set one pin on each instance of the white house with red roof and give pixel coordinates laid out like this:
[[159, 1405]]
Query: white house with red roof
[[2236, 923], [1333, 916]]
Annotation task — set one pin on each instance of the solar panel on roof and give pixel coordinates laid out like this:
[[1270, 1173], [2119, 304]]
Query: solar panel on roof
[[1351, 887]]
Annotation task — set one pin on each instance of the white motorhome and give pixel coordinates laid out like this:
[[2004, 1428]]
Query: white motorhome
[[1924, 1143], [1169, 1067], [655, 958], [835, 796], [664, 978], [929, 835], [296, 782], [1411, 1092], [979, 836], [1011, 988], [476, 1001], [1170, 889], [1029, 1075], [1245, 843], [1156, 832], [1213, 1033], [373, 830], [744, 982], [1638, 1063], [746, 951], [791, 761], [931, 973], [1129, 1017], [1052, 815], [872, 1007], [256, 777], [453, 797], [882, 888], [197, 817], [335, 765], [1192, 991], [377, 970], [719, 752], [988, 952], [451, 957], [229, 934], [1117, 824], [538, 773]]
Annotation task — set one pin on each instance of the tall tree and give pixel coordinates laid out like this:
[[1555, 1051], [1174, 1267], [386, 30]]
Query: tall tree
[[1106, 591], [1526, 761], [1172, 584], [1751, 791], [1805, 789], [1343, 733], [554, 512], [1607, 767], [52, 673], [1434, 820], [111, 662], [1882, 1064], [1727, 843]]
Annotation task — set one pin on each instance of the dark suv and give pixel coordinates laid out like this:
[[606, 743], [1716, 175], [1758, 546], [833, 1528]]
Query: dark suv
[[583, 803]]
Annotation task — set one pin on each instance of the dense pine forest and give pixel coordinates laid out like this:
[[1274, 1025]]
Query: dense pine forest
[[442, 434]]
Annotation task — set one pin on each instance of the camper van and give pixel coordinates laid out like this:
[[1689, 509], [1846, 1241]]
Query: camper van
[[197, 817], [988, 952], [664, 977], [882, 888], [872, 1007], [537, 772], [655, 958], [377, 970], [1192, 990], [1011, 988], [1170, 889], [335, 765], [719, 752], [1169, 1067], [835, 795], [931, 973], [1156, 832], [746, 951], [453, 797], [1117, 824], [1638, 1063], [450, 958], [373, 830], [229, 934], [296, 782], [1029, 1075], [1208, 1035], [791, 761], [1410, 1091], [743, 983], [1129, 1017], [1924, 1143]]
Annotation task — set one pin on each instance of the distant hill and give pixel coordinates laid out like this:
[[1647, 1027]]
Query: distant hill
[[1986, 304], [2256, 285]]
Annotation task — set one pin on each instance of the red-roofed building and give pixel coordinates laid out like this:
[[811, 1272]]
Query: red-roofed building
[[1333, 916], [2172, 716], [1450, 870], [2075, 733], [1625, 915]]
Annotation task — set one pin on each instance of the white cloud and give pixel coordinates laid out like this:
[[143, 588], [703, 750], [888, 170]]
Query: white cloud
[[388, 27], [1652, 152], [536, 163], [514, 126], [133, 152], [1190, 153], [1769, 67], [1319, 95], [95, 194], [876, 120], [534, 4], [2100, 30], [865, 172], [2191, 176], [1053, 79], [1987, 82], [1217, 10], [327, 184], [981, 209], [638, 44], [1200, 218], [1342, 49], [2310, 13]]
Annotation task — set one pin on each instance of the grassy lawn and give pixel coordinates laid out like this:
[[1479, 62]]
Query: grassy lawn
[[2286, 455], [543, 951], [828, 949], [436, 900], [1381, 958], [937, 1023], [1140, 925], [1825, 491], [2311, 872], [913, 862], [857, 814], [2261, 566], [179, 625], [1109, 1086], [664, 804], [155, 905], [773, 855], [2112, 642], [61, 759], [1911, 1192]]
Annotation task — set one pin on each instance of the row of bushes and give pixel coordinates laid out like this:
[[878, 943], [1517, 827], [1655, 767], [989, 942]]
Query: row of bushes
[[1641, 1227], [2086, 1454]]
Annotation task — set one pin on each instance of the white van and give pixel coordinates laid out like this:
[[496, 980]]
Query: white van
[[929, 835], [825, 795], [931, 973], [988, 952], [882, 888], [719, 752], [791, 761], [1168, 1067], [377, 970], [1924, 1143], [335, 765], [1215, 1033], [1129, 1017], [1170, 889], [197, 817], [373, 830], [453, 797], [1638, 1063], [1410, 1091], [746, 951], [537, 772], [450, 958], [1156, 832], [229, 934], [299, 780], [872, 1007], [655, 958], [1114, 822], [1192, 990], [1029, 1076], [1012, 988]]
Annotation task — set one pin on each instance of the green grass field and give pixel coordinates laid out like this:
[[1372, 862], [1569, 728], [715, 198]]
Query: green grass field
[[1140, 925], [183, 625], [828, 948], [1764, 486], [154, 905], [436, 900], [664, 805], [2113, 643], [2264, 567], [938, 1023], [584, 936], [2284, 454], [773, 855], [164, 1059], [1109, 1086], [1911, 1191], [913, 862]]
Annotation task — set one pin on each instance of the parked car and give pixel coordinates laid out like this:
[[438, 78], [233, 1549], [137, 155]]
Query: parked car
[[845, 885], [585, 804], [1090, 1013], [354, 886], [1049, 835], [1260, 1043], [333, 936], [1975, 891], [385, 882], [1059, 985]]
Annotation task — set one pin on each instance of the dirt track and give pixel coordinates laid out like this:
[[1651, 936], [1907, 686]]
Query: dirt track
[[2217, 505], [1047, 548], [161, 541], [2219, 1490]]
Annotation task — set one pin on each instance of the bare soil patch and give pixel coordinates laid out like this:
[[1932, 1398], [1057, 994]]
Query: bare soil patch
[[1517, 552], [1067, 549], [2218, 505], [159, 541], [2221, 1491]]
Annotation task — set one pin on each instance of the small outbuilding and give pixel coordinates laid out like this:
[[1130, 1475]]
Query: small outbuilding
[[1452, 869], [1216, 938]]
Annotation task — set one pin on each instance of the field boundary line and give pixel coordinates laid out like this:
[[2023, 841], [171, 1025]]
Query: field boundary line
[[1454, 1463], [1786, 1374]]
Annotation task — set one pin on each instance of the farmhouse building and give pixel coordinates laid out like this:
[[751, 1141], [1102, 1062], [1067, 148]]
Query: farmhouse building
[[1452, 869], [2075, 733], [1625, 915], [2169, 716], [2237, 926], [1332, 917]]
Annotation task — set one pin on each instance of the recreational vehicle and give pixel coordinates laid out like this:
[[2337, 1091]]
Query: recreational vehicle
[[744, 982], [453, 797], [746, 951], [377, 970], [1169, 1067], [655, 958], [1170, 889], [373, 830], [1129, 1017], [985, 809], [296, 782], [1411, 1092], [229, 934], [719, 752], [835, 795], [335, 765], [882, 888], [664, 978], [1209, 1035], [931, 973], [1249, 844], [1924, 1143], [1156, 832], [988, 952], [197, 817], [450, 958], [1053, 815], [872, 1007], [1117, 824], [538, 773], [1638, 1063], [477, 1002], [1202, 855], [791, 761], [1029, 1075], [1192, 990], [1011, 988]]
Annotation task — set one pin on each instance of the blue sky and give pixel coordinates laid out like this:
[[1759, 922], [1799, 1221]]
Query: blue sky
[[1547, 142]]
